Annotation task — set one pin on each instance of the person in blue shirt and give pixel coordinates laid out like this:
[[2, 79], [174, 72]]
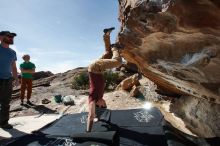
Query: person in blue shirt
[[8, 71]]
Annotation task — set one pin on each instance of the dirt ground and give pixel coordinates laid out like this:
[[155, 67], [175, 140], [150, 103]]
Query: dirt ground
[[115, 100]]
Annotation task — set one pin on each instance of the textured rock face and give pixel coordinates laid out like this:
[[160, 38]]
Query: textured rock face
[[42, 74], [200, 116], [176, 44]]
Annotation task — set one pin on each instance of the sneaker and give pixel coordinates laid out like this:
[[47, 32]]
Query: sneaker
[[6, 126], [30, 103], [117, 46], [108, 29]]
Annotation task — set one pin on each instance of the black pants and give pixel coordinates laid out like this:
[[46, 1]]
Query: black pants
[[5, 97]]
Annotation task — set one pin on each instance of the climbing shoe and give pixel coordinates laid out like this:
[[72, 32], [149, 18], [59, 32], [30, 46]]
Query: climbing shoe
[[106, 30]]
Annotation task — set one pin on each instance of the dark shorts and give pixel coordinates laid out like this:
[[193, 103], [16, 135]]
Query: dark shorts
[[97, 86]]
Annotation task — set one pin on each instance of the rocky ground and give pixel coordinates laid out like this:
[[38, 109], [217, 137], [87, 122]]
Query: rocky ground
[[115, 100], [60, 84]]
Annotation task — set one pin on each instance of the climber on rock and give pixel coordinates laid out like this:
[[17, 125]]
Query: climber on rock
[[109, 60]]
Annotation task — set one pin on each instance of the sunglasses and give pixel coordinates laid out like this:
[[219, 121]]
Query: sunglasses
[[10, 36]]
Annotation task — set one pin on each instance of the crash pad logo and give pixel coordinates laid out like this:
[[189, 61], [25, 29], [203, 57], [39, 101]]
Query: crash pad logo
[[143, 116], [58, 142], [69, 142], [83, 119]]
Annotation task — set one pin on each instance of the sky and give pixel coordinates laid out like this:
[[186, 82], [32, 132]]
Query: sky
[[59, 35]]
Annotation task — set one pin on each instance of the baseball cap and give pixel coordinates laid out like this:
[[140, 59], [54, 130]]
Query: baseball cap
[[7, 33]]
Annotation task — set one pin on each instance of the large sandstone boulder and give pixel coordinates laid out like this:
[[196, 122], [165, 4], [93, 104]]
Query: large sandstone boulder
[[176, 44], [129, 82], [177, 49]]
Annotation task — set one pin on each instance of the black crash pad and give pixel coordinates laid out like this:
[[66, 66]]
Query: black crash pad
[[135, 126], [137, 118], [67, 125], [76, 123], [43, 140], [118, 127]]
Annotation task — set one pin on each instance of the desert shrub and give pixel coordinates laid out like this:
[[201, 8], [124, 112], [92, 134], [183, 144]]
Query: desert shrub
[[111, 79], [81, 80]]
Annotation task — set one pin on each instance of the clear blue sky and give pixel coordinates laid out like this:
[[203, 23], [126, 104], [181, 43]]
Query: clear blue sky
[[59, 34]]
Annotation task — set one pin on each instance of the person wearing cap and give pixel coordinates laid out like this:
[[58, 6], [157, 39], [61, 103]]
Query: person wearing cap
[[109, 60], [8, 71], [27, 69]]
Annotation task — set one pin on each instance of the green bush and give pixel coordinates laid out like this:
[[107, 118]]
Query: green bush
[[110, 79], [81, 80]]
